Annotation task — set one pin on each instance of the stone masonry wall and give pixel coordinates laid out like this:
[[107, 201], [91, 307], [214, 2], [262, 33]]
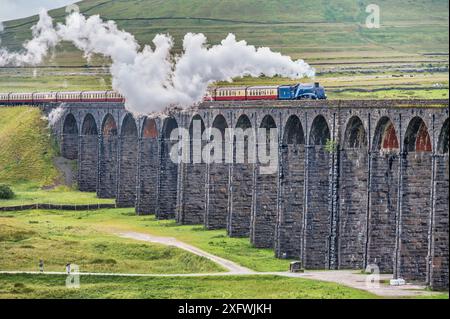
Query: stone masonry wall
[[353, 208], [317, 233], [168, 171], [107, 167], [241, 198], [87, 163], [148, 177], [290, 229], [262, 231], [69, 146], [192, 210], [439, 262], [217, 208], [415, 216], [383, 207], [126, 179]]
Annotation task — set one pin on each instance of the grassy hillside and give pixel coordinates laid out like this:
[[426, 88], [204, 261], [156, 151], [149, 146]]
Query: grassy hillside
[[409, 51], [26, 147]]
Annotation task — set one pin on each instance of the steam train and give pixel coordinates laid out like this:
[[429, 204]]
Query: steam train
[[282, 92]]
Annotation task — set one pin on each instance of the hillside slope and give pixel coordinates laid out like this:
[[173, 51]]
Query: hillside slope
[[292, 26], [26, 147], [406, 57]]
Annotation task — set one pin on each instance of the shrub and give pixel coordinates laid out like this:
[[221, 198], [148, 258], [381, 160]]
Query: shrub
[[6, 192]]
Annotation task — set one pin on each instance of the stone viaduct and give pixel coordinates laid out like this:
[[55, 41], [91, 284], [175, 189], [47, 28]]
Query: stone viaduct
[[358, 182]]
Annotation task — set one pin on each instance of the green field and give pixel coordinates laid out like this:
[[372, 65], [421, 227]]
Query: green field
[[59, 237], [85, 226], [225, 287], [407, 55]]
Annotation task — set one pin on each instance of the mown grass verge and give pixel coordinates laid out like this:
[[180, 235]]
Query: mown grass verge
[[223, 287]]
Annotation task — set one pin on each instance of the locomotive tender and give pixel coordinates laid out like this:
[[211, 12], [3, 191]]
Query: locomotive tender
[[281, 92]]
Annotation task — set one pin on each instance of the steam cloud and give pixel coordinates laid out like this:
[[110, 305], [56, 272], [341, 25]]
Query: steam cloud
[[150, 78]]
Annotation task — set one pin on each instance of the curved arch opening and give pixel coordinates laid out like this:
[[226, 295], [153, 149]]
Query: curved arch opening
[[320, 132], [70, 125], [129, 126], [385, 137], [443, 138], [149, 129], [243, 122], [417, 138], [293, 132], [355, 134], [169, 125], [109, 127], [89, 126], [220, 123]]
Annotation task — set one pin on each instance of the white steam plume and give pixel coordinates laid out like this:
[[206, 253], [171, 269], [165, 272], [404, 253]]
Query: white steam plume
[[150, 78], [44, 38]]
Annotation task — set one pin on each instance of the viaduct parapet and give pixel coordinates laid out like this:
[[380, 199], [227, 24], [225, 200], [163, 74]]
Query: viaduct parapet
[[358, 182]]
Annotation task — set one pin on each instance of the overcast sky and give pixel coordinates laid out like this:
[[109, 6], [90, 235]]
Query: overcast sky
[[14, 9]]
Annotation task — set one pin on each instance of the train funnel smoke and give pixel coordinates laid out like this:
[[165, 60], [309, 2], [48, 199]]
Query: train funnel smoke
[[150, 78]]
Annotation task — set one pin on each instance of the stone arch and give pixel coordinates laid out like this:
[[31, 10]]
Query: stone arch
[[129, 127], [217, 206], [109, 126], [146, 201], [169, 125], [416, 205], [128, 158], [383, 196], [417, 138], [168, 180], [385, 137], [355, 134], [195, 138], [263, 224], [320, 132], [442, 147], [289, 231], [107, 179], [88, 159], [89, 125], [241, 180], [318, 218], [69, 140], [149, 129], [353, 196], [220, 123], [194, 176], [293, 131]]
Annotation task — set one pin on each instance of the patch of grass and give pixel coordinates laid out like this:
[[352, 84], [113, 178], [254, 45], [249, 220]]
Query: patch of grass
[[30, 193], [104, 221], [26, 153], [58, 238], [222, 287]]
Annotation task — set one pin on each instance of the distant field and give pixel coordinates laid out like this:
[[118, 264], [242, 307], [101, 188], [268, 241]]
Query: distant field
[[409, 51]]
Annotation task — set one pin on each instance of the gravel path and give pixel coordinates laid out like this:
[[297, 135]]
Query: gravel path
[[170, 241]]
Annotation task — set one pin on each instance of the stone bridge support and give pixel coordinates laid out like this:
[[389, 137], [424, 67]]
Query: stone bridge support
[[147, 190], [192, 197], [88, 155], [168, 172], [108, 155], [127, 163], [217, 175]]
